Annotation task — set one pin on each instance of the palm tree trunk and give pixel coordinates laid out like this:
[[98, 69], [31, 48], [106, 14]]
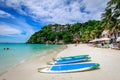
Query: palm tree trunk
[[114, 32]]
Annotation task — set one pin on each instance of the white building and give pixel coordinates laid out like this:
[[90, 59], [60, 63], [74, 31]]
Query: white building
[[117, 36]]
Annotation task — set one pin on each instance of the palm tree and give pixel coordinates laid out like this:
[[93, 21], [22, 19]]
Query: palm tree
[[115, 6], [110, 17], [106, 18]]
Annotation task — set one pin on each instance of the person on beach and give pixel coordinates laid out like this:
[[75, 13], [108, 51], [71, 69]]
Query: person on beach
[[119, 45], [6, 48], [102, 43]]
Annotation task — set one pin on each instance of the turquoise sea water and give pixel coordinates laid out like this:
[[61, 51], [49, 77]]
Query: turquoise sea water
[[19, 53]]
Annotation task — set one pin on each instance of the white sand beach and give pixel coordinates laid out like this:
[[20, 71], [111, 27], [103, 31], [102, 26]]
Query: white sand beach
[[107, 58]]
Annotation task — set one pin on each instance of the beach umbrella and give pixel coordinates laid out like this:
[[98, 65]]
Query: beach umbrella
[[94, 40], [104, 39], [118, 39]]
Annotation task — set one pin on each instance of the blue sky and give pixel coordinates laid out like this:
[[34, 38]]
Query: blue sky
[[19, 19]]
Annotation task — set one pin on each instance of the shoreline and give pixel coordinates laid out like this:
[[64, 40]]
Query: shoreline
[[107, 58], [34, 58]]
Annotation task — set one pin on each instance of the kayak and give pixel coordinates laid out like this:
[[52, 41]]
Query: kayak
[[68, 61], [69, 68], [69, 57]]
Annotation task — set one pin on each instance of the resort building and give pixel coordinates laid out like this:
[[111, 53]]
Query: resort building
[[106, 34], [117, 34]]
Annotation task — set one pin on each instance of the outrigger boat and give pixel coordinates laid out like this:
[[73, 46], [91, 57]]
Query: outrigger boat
[[69, 68]]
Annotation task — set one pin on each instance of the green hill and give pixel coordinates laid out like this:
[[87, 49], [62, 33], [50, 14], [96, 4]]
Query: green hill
[[69, 33]]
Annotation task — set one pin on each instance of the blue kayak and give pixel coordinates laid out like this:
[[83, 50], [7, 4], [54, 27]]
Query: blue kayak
[[69, 57], [70, 67], [68, 61]]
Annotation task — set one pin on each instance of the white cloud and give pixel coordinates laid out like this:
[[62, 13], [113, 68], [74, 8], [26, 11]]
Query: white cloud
[[19, 32], [17, 28], [4, 14], [6, 30], [60, 11], [96, 8], [23, 26]]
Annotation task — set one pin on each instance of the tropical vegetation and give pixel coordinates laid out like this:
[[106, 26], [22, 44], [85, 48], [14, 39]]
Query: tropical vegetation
[[69, 33]]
